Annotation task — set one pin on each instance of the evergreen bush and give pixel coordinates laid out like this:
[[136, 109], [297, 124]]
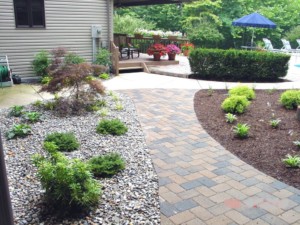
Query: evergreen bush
[[107, 165], [290, 99], [41, 63], [235, 104], [69, 184], [242, 91], [238, 65], [64, 141], [113, 127]]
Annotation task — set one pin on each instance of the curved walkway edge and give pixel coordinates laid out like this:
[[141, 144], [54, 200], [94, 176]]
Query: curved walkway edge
[[201, 182]]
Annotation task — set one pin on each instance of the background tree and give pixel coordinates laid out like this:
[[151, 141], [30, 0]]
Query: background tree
[[201, 23], [127, 24], [164, 17], [208, 22]]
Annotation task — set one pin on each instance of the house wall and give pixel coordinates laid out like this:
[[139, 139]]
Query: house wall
[[68, 24]]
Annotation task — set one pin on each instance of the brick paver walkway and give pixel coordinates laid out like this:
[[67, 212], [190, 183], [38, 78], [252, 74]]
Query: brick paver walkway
[[200, 182]]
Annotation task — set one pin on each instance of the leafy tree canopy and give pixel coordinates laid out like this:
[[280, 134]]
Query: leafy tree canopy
[[208, 22]]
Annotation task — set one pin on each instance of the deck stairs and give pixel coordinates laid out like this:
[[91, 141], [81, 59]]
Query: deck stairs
[[143, 65]]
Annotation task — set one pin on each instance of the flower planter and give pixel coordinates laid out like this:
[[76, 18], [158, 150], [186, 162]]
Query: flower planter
[[138, 35], [171, 56], [173, 38], [156, 56], [156, 37], [186, 52]]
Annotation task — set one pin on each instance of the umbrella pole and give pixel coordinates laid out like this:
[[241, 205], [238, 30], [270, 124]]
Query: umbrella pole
[[252, 38]]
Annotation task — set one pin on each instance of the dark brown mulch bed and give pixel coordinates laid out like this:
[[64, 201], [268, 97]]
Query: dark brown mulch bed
[[265, 147]]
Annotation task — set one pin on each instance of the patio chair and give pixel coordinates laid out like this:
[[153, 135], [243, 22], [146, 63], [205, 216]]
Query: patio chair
[[288, 48], [129, 51], [298, 41], [269, 46]]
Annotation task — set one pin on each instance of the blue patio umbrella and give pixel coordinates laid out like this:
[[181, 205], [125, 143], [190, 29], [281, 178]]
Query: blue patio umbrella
[[254, 20]]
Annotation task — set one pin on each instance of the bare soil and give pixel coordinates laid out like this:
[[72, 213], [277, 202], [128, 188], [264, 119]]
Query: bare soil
[[265, 147]]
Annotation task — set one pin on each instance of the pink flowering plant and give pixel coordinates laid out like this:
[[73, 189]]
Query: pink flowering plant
[[173, 49]]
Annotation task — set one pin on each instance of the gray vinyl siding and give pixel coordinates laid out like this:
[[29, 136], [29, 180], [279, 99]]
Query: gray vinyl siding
[[68, 24]]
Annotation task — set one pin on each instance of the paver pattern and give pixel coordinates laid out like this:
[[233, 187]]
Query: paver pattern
[[201, 182]]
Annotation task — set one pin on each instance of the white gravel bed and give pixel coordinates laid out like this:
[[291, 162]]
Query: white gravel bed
[[130, 197]]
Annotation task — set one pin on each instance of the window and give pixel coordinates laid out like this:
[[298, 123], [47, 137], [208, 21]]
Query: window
[[29, 13]]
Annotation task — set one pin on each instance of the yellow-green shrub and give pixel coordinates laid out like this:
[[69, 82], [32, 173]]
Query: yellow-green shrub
[[290, 99], [235, 104], [242, 91]]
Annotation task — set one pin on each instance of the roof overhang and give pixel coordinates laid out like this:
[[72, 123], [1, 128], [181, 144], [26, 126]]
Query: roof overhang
[[127, 3]]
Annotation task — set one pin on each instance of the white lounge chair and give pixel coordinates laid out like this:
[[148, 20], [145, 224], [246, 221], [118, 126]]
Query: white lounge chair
[[288, 48], [298, 41], [269, 46]]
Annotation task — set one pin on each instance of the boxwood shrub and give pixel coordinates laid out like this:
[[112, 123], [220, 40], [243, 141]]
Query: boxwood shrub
[[235, 104], [69, 184], [242, 90], [106, 165], [113, 127], [290, 99], [64, 141], [238, 65]]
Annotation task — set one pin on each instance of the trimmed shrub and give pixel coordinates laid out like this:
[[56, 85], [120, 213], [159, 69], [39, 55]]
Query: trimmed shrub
[[114, 127], [41, 63], [235, 104], [290, 99], [64, 141], [107, 165], [103, 57], [242, 91], [238, 65], [69, 184]]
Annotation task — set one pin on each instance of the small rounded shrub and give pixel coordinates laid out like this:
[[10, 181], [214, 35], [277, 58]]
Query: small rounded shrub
[[235, 104], [69, 184], [290, 99], [104, 76], [106, 165], [64, 141], [242, 91], [50, 147], [41, 63], [114, 127]]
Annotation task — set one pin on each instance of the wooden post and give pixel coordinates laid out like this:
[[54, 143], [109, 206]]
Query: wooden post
[[298, 113], [6, 214]]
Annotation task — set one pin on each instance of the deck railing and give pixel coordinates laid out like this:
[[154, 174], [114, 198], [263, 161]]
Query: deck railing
[[143, 43], [115, 55]]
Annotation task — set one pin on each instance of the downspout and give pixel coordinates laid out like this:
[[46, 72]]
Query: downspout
[[109, 28]]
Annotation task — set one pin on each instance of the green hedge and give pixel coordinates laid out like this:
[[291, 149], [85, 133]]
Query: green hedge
[[238, 65]]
